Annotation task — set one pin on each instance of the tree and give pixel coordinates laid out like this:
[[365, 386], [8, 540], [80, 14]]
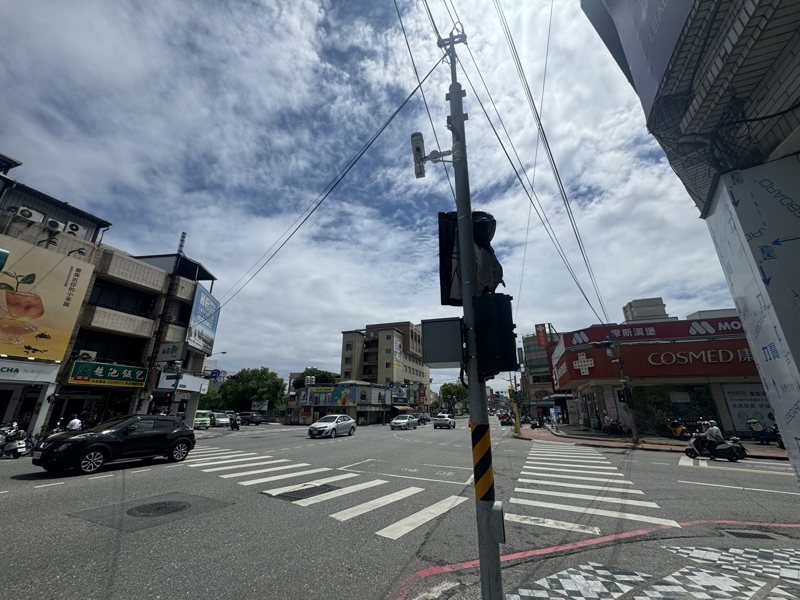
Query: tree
[[250, 386], [452, 394], [322, 377]]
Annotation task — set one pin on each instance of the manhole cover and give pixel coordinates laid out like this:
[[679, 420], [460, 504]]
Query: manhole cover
[[307, 492], [753, 535], [157, 509]]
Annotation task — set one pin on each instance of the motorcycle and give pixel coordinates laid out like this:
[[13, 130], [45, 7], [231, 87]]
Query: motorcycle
[[234, 423], [731, 449], [14, 441]]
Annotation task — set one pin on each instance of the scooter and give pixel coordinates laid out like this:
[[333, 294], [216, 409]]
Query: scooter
[[730, 449], [14, 441], [234, 423]]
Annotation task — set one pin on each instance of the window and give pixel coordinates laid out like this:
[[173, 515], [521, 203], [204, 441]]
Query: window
[[145, 424], [388, 336], [348, 346], [388, 351], [388, 365], [165, 424], [348, 360]]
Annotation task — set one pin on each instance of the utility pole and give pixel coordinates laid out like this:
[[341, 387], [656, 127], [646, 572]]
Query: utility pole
[[489, 513], [626, 390]]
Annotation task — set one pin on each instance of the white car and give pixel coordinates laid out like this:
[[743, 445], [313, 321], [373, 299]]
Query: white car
[[403, 422], [331, 426], [444, 420]]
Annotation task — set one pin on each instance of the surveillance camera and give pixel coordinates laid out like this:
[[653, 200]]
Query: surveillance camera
[[418, 152]]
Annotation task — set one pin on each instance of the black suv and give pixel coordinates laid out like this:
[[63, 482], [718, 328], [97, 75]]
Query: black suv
[[251, 418], [121, 438]]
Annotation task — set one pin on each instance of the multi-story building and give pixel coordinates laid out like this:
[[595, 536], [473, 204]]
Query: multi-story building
[[390, 355], [88, 329]]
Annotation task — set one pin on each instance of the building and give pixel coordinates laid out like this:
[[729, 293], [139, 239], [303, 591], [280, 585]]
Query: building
[[98, 328], [388, 355], [687, 368], [719, 84]]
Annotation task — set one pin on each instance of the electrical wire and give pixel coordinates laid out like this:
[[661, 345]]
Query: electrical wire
[[327, 191], [430, 18], [548, 151], [424, 99]]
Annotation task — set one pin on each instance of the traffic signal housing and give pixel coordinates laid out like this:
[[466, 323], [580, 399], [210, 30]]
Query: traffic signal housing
[[496, 342]]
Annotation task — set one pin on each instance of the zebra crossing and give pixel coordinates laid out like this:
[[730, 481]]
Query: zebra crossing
[[571, 480], [239, 466]]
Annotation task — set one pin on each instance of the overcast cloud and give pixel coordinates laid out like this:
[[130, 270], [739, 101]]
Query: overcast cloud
[[227, 120]]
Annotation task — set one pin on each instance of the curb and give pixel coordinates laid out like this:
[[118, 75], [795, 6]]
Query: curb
[[585, 441]]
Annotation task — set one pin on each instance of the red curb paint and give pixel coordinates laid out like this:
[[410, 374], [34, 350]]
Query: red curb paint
[[415, 578]]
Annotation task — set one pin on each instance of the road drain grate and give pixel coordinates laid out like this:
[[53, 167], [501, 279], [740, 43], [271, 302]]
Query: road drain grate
[[307, 492], [752, 535], [157, 509]]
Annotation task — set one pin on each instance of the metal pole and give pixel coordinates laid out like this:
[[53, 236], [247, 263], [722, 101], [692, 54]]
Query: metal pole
[[627, 392], [175, 393], [489, 529]]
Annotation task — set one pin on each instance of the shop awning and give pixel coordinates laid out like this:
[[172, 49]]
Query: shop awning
[[402, 408]]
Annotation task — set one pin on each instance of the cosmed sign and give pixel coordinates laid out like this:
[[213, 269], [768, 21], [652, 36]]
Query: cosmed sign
[[41, 293]]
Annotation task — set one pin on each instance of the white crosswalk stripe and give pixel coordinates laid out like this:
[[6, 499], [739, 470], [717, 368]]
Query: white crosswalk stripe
[[284, 476], [226, 454], [571, 466], [238, 459], [404, 526], [530, 471], [581, 486], [350, 489], [573, 470], [309, 484], [594, 498], [268, 470], [360, 509], [274, 461], [551, 523], [596, 511], [566, 457]]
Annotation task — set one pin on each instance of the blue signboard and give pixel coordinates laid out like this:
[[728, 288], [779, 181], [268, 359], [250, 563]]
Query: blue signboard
[[203, 322]]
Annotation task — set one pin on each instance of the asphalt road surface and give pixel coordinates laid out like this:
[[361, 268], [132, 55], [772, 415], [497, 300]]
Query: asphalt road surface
[[266, 512]]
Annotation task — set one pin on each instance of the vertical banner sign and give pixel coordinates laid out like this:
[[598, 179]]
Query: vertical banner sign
[[541, 335], [41, 293], [755, 224], [203, 322]]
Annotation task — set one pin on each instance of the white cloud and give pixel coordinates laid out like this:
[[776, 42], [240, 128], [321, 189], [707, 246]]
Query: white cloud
[[227, 122]]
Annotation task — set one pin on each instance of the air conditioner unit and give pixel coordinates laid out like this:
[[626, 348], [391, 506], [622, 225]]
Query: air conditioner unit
[[75, 229], [54, 225], [23, 212]]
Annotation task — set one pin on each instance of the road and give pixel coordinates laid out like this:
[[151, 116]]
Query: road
[[266, 512]]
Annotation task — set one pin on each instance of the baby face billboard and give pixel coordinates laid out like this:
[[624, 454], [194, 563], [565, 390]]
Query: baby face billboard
[[41, 293], [203, 322]]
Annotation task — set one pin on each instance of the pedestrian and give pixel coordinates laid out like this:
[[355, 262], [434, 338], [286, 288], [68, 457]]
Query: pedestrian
[[713, 439], [74, 423]]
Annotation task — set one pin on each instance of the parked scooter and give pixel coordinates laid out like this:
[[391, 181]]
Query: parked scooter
[[14, 441], [731, 449]]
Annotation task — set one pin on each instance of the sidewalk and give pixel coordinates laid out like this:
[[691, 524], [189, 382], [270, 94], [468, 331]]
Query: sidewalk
[[582, 437]]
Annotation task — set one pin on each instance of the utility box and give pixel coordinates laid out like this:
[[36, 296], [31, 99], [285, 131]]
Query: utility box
[[442, 343]]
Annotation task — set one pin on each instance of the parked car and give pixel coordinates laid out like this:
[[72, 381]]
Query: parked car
[[251, 418], [220, 419], [422, 418], [403, 422], [202, 418], [331, 426], [444, 420], [121, 438]]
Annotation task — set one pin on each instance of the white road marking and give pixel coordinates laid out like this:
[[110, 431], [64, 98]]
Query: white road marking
[[576, 477], [4, 492], [736, 487], [569, 459], [596, 511], [101, 476], [243, 466], [360, 509], [351, 489], [594, 498], [575, 451], [551, 523], [140, 471], [218, 456], [410, 523], [206, 448], [231, 460], [581, 471], [445, 466], [581, 486], [259, 471], [571, 466], [307, 484], [49, 484], [284, 476], [659, 463]]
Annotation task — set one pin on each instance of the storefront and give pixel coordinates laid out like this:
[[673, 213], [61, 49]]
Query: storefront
[[179, 390], [24, 388], [675, 370]]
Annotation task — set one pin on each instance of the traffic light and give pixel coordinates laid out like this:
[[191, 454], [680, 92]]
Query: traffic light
[[624, 395], [496, 342]]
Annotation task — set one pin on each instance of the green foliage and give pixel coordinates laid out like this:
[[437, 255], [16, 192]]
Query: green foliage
[[28, 279], [453, 393], [247, 387], [322, 377]]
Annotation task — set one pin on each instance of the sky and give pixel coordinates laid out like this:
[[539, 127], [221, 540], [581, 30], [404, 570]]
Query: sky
[[228, 120]]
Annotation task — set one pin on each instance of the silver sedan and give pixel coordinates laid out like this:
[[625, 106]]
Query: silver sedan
[[331, 426]]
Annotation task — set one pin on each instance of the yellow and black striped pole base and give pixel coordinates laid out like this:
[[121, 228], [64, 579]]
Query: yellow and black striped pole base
[[482, 462]]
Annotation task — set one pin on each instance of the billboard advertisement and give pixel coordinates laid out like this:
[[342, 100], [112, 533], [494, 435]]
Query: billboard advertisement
[[93, 373], [203, 322], [41, 293]]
